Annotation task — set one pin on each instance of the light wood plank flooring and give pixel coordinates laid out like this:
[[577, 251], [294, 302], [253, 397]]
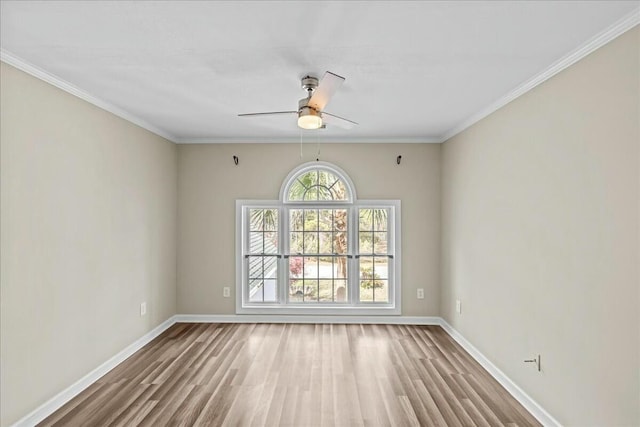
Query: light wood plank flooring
[[296, 375]]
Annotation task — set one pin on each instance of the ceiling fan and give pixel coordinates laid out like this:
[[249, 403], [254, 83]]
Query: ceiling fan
[[311, 114]]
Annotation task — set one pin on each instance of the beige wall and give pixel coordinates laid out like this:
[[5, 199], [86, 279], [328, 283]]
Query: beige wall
[[88, 232], [541, 233], [209, 183]]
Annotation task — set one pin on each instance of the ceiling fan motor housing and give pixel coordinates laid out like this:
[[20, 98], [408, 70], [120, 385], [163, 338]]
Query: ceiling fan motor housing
[[309, 84]]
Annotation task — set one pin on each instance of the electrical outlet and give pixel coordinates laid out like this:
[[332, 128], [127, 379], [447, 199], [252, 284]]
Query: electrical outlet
[[226, 292], [420, 293], [459, 306], [143, 308]]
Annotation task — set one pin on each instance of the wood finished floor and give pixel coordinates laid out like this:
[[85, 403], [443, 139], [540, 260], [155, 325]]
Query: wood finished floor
[[296, 375]]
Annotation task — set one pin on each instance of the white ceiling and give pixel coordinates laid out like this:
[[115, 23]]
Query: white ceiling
[[415, 71]]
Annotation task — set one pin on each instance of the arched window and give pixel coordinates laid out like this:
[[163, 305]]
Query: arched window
[[318, 249], [317, 181]]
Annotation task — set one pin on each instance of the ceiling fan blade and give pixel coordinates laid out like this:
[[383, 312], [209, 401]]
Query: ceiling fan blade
[[329, 84], [271, 113], [332, 119]]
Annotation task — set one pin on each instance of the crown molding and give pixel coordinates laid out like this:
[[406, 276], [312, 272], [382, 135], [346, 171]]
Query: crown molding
[[604, 37], [298, 140], [21, 64]]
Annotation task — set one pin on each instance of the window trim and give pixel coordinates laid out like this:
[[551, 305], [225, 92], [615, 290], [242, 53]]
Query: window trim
[[354, 306], [394, 307]]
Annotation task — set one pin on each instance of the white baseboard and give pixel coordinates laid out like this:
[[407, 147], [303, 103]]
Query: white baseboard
[[52, 405], [531, 405], [265, 318], [56, 402]]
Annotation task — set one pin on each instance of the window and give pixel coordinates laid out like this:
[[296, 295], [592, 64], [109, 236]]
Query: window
[[262, 258], [318, 249]]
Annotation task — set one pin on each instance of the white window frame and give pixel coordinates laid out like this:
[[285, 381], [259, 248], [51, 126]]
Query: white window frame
[[354, 306]]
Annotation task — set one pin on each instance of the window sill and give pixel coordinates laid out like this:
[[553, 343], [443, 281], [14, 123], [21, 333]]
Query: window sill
[[362, 310]]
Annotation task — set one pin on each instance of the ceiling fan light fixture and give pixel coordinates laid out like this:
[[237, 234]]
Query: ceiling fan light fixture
[[309, 118], [311, 112]]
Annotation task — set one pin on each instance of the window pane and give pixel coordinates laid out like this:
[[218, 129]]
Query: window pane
[[381, 267], [381, 291], [296, 191], [270, 218], [340, 219], [366, 268], [325, 178], [340, 267], [325, 222], [309, 179], [325, 292], [255, 291], [324, 193], [296, 267], [296, 290], [270, 264], [374, 273], [380, 242], [295, 242], [340, 290], [340, 245], [325, 268], [256, 219], [256, 270], [263, 274], [271, 242], [270, 290], [339, 191], [366, 217], [311, 194], [296, 217], [256, 242], [310, 243], [373, 279], [380, 219], [326, 242], [366, 239], [366, 291], [310, 291], [310, 267], [310, 220]]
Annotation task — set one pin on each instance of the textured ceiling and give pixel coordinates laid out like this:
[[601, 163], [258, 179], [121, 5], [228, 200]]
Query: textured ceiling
[[414, 70]]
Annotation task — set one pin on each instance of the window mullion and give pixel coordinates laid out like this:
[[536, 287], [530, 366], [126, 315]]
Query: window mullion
[[247, 261], [352, 235], [283, 249]]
